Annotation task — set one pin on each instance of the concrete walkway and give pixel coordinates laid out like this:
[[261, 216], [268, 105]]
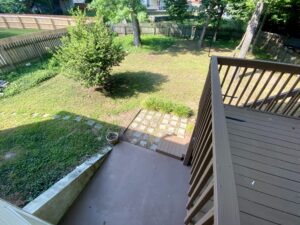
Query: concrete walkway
[[134, 186]]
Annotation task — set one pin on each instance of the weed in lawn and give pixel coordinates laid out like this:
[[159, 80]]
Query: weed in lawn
[[166, 106]]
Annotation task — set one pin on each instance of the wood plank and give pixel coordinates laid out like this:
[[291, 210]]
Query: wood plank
[[266, 168], [266, 160], [269, 201], [267, 213], [263, 139], [247, 219], [264, 152], [234, 138], [266, 126], [267, 178], [265, 116], [266, 188], [243, 126]]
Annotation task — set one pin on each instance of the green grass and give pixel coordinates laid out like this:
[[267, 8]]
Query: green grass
[[5, 33], [45, 150], [150, 43], [167, 106], [27, 77]]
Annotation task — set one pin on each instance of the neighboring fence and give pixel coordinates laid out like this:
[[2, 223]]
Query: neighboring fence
[[21, 49], [280, 47], [261, 85], [177, 30], [35, 21], [212, 193]]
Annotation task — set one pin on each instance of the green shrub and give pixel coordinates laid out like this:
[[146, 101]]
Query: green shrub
[[88, 52], [166, 106]]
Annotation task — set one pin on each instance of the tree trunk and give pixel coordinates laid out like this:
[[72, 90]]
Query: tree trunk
[[136, 30], [201, 40], [251, 28], [218, 23], [259, 30]]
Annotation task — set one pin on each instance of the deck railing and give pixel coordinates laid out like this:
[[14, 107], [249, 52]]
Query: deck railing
[[212, 192], [260, 85]]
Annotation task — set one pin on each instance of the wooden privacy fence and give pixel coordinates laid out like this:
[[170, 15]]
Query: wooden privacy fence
[[35, 21], [21, 49], [260, 85], [212, 193], [177, 30]]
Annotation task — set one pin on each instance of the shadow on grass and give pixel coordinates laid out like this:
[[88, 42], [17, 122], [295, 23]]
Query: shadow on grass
[[128, 84], [36, 155]]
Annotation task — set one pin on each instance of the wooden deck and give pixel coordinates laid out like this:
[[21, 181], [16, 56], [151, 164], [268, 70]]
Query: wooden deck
[[265, 151]]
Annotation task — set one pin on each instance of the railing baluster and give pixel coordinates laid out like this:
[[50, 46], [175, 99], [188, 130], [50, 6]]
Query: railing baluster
[[231, 81], [273, 102], [225, 75], [253, 89], [238, 85], [246, 86], [291, 104], [287, 94]]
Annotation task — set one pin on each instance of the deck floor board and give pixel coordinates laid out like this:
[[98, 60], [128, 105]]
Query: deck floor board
[[265, 152]]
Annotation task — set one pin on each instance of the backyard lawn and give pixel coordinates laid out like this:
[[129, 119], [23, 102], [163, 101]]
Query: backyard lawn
[[48, 120], [5, 33]]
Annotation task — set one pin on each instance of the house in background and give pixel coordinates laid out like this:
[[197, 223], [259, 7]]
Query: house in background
[[154, 4], [69, 4]]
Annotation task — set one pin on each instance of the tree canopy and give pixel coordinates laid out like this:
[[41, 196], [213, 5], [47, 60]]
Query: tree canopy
[[177, 9]]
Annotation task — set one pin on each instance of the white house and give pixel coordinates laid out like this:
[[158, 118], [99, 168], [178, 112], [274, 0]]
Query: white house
[[154, 4]]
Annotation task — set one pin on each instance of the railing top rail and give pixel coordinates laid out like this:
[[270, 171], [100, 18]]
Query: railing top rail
[[259, 64], [225, 194]]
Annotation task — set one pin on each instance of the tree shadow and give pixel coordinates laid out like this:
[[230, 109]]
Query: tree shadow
[[128, 84]]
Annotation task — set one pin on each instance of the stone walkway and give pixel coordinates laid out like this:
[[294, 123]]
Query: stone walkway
[[149, 128], [91, 123]]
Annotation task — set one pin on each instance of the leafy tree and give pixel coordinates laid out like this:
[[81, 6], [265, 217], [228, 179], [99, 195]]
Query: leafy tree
[[88, 52], [177, 9], [212, 11], [12, 6], [118, 10]]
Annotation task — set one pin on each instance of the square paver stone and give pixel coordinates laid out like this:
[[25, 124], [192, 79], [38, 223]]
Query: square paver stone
[[162, 127], [137, 134], [66, 117], [150, 130], [98, 126], [46, 115], [173, 123], [165, 121], [77, 119], [142, 127], [134, 141], [143, 143], [138, 119], [184, 120], [181, 132], [167, 116], [183, 125], [175, 118], [90, 122], [149, 117], [151, 113], [153, 147], [134, 125]]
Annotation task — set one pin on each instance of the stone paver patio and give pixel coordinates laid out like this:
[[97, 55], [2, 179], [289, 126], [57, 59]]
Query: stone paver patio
[[149, 128]]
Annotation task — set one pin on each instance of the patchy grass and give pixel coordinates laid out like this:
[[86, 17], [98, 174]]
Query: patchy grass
[[167, 106], [39, 152], [5, 33], [27, 77], [44, 150], [150, 43]]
